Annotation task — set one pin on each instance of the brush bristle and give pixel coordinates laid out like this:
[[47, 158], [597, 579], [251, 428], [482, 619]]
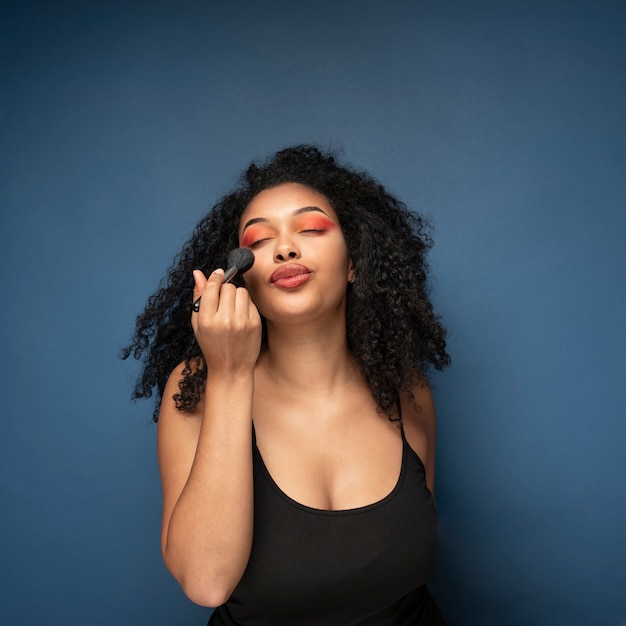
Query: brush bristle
[[241, 258]]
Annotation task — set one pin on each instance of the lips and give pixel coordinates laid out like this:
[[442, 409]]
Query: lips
[[290, 276]]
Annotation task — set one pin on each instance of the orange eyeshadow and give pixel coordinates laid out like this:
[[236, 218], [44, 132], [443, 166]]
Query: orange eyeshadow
[[305, 222], [252, 234], [316, 222]]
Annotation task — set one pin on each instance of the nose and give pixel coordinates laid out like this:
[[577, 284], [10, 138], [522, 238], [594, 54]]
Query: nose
[[286, 249]]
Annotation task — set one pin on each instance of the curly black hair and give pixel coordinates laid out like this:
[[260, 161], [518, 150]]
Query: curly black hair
[[393, 331]]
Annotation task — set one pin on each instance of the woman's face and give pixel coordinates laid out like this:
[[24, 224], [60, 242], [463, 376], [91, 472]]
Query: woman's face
[[301, 266]]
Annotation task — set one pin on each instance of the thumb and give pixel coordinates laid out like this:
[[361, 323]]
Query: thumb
[[200, 281]]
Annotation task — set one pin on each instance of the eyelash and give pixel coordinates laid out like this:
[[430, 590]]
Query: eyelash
[[253, 244]]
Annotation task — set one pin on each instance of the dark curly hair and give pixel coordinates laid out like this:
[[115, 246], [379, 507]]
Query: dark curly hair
[[393, 332]]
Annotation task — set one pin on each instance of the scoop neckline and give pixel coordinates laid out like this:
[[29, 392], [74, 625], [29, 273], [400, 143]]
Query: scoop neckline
[[334, 512]]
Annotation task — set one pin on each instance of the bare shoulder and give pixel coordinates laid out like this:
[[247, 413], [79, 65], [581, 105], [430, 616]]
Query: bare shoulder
[[169, 410], [418, 411], [176, 427], [419, 420]]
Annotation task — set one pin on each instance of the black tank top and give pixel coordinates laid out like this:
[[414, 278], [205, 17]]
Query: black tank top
[[365, 566]]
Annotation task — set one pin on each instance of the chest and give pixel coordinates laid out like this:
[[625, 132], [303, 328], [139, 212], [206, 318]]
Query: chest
[[366, 557], [329, 456]]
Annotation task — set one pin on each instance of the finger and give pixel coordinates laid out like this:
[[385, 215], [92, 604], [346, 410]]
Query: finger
[[249, 310], [242, 299], [226, 304], [246, 309], [253, 312], [209, 289]]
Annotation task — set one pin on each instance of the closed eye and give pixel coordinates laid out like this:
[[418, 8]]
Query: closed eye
[[315, 224], [256, 235], [257, 242]]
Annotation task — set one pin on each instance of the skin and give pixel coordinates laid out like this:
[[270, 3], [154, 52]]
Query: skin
[[315, 419]]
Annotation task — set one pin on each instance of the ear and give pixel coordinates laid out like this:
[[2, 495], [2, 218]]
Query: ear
[[351, 271]]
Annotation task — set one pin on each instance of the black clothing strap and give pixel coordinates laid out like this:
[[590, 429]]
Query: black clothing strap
[[363, 566]]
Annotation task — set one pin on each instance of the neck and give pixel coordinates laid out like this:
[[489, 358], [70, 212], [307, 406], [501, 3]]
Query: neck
[[313, 360]]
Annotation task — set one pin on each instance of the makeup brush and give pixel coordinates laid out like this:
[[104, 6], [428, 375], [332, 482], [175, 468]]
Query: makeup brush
[[239, 260]]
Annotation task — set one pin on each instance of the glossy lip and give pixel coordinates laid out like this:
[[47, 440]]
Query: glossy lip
[[290, 271]]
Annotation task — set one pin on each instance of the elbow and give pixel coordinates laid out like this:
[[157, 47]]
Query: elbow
[[205, 594], [207, 581], [200, 587]]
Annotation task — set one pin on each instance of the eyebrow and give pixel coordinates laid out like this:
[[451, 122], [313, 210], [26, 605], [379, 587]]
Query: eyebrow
[[304, 209]]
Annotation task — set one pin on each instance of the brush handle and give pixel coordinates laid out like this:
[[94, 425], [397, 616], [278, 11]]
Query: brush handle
[[228, 276]]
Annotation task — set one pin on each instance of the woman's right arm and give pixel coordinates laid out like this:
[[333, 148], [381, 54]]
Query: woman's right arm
[[205, 459]]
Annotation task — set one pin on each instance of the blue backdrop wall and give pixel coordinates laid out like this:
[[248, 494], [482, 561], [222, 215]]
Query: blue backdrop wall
[[122, 122]]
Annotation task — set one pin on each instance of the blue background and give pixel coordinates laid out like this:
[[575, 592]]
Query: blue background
[[504, 121]]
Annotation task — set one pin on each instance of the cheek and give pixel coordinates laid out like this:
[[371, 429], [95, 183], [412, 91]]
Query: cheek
[[251, 280], [256, 292], [339, 252]]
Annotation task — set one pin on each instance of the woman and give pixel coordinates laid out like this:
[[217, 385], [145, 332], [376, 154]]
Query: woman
[[296, 427]]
